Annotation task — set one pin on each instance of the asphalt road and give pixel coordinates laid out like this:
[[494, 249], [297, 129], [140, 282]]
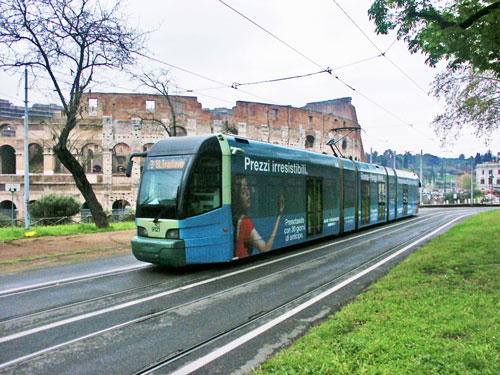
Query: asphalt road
[[120, 316]]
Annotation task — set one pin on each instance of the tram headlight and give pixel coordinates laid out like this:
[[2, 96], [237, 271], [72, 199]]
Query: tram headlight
[[173, 234], [142, 232]]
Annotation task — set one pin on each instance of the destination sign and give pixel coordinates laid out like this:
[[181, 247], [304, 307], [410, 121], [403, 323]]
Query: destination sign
[[166, 163]]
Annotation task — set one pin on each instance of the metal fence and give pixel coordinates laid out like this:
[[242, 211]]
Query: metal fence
[[83, 217]]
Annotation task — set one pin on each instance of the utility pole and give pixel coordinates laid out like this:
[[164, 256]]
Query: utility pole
[[395, 159], [26, 155]]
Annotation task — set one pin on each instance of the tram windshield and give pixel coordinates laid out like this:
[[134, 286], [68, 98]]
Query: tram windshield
[[160, 186]]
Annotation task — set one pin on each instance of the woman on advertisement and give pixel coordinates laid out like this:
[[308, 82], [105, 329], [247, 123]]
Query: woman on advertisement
[[246, 236]]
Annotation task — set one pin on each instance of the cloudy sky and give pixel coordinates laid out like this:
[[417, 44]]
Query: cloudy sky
[[208, 46]]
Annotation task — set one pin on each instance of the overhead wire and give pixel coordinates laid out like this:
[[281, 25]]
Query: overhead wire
[[204, 77], [236, 84], [313, 62], [381, 52]]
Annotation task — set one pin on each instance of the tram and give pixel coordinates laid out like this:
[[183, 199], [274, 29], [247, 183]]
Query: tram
[[218, 198]]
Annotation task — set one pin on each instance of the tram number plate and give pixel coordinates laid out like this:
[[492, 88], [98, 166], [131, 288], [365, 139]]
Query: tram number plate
[[156, 228]]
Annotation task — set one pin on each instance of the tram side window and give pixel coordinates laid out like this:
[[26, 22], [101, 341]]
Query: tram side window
[[204, 186], [381, 200], [365, 202], [405, 195], [349, 189]]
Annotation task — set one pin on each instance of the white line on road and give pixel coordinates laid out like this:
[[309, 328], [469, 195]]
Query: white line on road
[[182, 288], [203, 361], [69, 279], [46, 350]]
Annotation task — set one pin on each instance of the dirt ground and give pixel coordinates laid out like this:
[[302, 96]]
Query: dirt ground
[[24, 254]]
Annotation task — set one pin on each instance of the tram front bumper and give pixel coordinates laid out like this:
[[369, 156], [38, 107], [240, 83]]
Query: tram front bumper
[[160, 251]]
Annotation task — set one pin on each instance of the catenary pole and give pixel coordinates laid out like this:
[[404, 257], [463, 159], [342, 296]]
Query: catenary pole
[[26, 154]]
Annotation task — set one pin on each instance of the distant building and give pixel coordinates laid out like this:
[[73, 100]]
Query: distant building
[[488, 176], [112, 126]]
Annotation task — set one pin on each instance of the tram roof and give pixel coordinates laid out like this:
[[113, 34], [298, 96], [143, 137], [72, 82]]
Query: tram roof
[[179, 145]]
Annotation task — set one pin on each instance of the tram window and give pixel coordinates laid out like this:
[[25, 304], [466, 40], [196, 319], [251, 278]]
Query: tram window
[[204, 186], [365, 202], [405, 194], [349, 189], [392, 190], [381, 200], [331, 194], [314, 204]]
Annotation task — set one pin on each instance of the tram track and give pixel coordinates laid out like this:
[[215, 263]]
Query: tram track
[[252, 319], [104, 298], [263, 316]]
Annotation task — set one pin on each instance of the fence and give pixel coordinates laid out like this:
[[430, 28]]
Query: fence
[[83, 217]]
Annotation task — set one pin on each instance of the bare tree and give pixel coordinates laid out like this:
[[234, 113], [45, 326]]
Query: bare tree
[[77, 37], [160, 83]]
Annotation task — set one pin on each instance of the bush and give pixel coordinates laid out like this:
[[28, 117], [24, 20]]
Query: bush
[[52, 208], [5, 221]]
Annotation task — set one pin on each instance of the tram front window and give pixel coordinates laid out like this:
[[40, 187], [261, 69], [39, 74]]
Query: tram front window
[[159, 187]]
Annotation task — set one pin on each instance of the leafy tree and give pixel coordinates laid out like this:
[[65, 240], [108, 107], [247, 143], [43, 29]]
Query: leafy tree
[[488, 156], [464, 182], [459, 31], [67, 38], [472, 97]]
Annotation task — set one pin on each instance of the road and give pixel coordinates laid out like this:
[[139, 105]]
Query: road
[[120, 316]]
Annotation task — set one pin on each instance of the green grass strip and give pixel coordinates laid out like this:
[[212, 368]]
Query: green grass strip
[[438, 312], [7, 234]]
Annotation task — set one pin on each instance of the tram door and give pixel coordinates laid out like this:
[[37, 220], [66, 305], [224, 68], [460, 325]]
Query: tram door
[[314, 206]]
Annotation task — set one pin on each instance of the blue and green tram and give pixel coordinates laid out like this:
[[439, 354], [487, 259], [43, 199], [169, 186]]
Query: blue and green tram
[[217, 198]]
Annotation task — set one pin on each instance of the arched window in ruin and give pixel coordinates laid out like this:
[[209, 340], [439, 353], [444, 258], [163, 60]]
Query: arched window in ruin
[[344, 144], [180, 131], [8, 159], [6, 208], [120, 208], [7, 130], [309, 141], [121, 153], [35, 152], [92, 158], [85, 213]]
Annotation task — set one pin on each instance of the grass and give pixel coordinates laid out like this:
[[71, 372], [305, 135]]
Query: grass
[[7, 234], [438, 312]]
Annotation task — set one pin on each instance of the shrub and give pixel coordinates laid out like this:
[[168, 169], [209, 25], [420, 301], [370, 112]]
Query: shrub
[[52, 208], [5, 221]]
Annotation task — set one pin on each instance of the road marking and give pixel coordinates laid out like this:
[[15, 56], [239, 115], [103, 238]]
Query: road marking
[[69, 279], [203, 361], [182, 288]]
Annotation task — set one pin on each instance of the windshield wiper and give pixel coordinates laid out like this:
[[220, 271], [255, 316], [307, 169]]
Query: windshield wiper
[[164, 209]]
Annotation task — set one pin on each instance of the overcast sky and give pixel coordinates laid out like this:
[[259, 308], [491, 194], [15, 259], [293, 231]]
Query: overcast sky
[[207, 38]]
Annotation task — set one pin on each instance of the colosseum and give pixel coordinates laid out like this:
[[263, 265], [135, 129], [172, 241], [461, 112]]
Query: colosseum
[[114, 125]]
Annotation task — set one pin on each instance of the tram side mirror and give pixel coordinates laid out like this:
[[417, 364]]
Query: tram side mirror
[[128, 172]]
